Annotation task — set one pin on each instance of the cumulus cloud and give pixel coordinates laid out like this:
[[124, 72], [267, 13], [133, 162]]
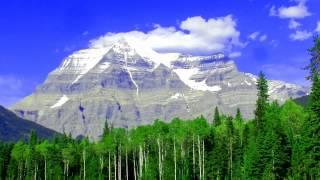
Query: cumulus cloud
[[193, 35], [293, 24], [300, 35], [298, 11]]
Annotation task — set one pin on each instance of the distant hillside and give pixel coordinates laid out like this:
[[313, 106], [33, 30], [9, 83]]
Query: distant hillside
[[13, 128], [303, 101]]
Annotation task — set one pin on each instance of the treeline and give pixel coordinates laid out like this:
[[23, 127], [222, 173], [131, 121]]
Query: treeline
[[281, 142]]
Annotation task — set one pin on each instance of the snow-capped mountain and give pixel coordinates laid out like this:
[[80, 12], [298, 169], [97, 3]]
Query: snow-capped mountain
[[129, 85]]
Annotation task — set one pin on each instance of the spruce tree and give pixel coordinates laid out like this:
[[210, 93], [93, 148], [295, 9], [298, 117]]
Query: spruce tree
[[262, 101], [311, 134], [216, 118], [238, 115]]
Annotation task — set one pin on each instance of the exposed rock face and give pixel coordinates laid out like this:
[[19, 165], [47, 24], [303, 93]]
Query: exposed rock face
[[130, 87]]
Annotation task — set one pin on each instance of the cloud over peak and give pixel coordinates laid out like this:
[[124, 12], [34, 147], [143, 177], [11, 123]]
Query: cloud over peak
[[195, 35]]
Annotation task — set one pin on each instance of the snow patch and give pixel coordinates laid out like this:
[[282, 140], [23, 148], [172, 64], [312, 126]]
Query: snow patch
[[186, 74], [248, 83], [60, 102], [129, 72], [81, 62], [176, 96]]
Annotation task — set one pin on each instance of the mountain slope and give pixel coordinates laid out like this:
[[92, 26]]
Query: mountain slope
[[133, 85], [13, 128]]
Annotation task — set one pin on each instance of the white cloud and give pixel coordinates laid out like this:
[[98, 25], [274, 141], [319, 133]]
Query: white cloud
[[298, 11], [194, 35], [318, 27], [263, 38], [293, 24], [254, 35], [300, 35], [258, 36]]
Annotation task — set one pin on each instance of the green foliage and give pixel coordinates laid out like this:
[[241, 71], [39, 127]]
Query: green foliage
[[232, 149], [216, 118]]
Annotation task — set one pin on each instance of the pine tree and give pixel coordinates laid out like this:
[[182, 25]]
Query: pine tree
[[262, 101], [314, 66], [238, 115], [217, 118]]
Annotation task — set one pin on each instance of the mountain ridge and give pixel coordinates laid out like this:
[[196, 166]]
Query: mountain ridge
[[13, 128], [133, 85]]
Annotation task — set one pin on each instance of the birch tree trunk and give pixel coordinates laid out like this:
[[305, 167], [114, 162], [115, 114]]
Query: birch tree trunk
[[199, 151], [67, 169], [134, 167], [64, 168], [35, 171], [159, 153], [193, 157], [175, 158], [115, 165], [101, 164], [127, 171], [109, 167], [140, 161], [84, 164], [230, 158], [203, 159], [119, 163], [45, 168]]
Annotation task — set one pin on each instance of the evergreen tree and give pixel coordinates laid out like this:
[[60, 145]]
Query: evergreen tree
[[311, 133], [314, 65], [216, 118], [238, 115], [262, 101]]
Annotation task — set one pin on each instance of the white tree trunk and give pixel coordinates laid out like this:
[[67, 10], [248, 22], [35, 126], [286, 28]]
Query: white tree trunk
[[160, 159], [67, 169], [109, 167], [64, 168], [127, 171], [175, 158], [140, 161], [115, 165], [193, 157], [84, 164], [119, 164], [203, 159], [199, 151], [45, 168], [134, 167], [231, 159], [101, 164]]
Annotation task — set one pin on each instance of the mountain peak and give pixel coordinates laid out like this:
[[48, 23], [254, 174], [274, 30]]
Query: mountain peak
[[123, 47]]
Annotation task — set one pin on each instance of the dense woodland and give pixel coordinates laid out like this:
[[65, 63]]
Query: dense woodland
[[281, 142]]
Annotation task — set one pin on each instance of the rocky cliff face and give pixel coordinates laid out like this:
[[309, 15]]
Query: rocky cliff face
[[130, 86]]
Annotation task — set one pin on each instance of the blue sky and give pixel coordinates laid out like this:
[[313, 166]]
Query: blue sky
[[266, 35]]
